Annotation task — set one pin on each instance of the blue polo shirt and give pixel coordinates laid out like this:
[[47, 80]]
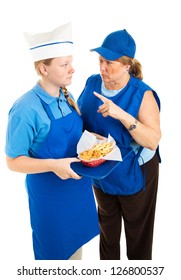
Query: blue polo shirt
[[29, 124]]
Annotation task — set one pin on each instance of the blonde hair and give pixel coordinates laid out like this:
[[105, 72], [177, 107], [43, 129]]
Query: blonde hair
[[70, 100], [64, 89], [135, 66]]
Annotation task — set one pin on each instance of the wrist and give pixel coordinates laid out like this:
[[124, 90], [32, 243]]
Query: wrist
[[133, 125]]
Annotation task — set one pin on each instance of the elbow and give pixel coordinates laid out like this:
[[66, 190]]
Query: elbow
[[153, 145], [10, 163]]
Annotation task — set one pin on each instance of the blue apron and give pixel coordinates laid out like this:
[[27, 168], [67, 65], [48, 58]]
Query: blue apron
[[63, 212]]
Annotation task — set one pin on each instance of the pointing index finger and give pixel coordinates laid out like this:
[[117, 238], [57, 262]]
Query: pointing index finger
[[104, 99]]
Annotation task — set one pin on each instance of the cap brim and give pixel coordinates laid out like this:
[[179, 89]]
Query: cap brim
[[107, 54]]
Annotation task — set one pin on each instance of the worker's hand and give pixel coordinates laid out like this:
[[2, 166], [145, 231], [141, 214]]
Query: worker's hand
[[61, 167], [98, 136], [108, 108]]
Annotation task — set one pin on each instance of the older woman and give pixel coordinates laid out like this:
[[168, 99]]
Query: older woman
[[119, 103]]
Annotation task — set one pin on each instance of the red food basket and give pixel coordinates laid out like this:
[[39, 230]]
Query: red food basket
[[93, 162]]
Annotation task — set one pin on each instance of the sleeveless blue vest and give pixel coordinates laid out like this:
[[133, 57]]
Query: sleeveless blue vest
[[127, 178]]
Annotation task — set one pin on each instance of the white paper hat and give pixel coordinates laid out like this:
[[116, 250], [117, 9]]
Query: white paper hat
[[52, 44]]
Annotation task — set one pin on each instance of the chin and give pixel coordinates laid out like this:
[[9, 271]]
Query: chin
[[105, 79]]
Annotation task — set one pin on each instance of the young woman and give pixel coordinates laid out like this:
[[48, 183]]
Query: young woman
[[44, 127]]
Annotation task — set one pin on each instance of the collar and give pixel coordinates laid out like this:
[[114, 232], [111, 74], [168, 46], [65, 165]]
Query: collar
[[113, 92], [108, 92], [47, 98]]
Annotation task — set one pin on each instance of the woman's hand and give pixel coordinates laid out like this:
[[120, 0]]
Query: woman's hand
[[98, 136], [108, 108], [62, 169]]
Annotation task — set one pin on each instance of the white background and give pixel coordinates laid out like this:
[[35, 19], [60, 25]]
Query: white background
[[155, 26]]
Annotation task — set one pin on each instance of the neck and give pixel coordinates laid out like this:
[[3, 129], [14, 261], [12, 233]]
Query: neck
[[50, 89]]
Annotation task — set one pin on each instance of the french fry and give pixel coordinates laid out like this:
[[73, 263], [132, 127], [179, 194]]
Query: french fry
[[97, 151]]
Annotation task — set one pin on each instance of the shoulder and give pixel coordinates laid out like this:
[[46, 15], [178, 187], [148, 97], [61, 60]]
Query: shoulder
[[26, 107], [27, 100], [137, 83], [94, 78], [143, 87]]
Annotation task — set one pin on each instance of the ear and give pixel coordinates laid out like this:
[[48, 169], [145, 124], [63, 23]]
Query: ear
[[127, 68], [43, 69]]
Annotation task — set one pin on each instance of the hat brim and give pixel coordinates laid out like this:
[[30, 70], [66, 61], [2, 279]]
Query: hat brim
[[107, 54]]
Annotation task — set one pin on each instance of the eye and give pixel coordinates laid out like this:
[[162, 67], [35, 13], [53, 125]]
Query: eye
[[109, 62], [64, 65]]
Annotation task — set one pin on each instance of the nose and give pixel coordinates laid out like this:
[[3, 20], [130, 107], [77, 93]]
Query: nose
[[102, 66], [72, 70]]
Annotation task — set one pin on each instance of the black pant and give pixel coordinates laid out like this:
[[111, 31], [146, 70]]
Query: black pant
[[137, 212]]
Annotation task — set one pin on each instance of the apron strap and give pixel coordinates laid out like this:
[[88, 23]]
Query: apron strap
[[48, 110]]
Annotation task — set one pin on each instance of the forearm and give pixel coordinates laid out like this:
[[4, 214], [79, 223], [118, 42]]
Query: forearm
[[144, 135], [27, 165], [61, 167], [147, 132]]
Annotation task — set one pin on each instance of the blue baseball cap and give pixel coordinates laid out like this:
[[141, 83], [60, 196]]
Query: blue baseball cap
[[117, 44]]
